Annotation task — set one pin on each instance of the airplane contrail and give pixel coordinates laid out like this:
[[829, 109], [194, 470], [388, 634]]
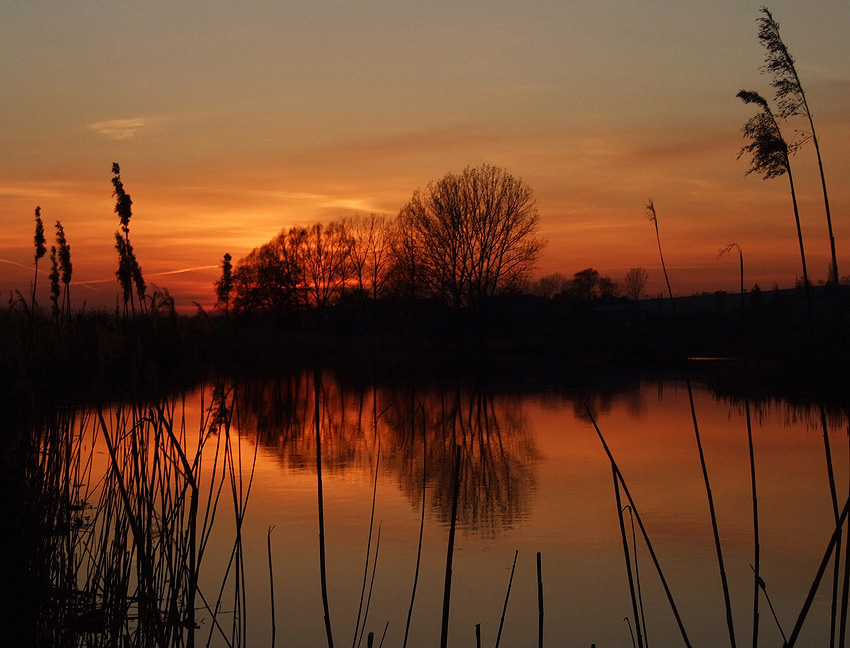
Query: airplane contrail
[[182, 270], [15, 263], [87, 283]]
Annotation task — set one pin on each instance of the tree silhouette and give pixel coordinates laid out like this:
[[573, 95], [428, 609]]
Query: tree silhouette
[[584, 284], [550, 285], [40, 251], [369, 254], [474, 234], [608, 287], [326, 262], [634, 283], [406, 276], [791, 100]]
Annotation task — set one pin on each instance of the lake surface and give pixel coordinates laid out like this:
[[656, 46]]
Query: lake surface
[[534, 477]]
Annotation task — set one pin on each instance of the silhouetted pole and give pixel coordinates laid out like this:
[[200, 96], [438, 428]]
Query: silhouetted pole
[[447, 592]]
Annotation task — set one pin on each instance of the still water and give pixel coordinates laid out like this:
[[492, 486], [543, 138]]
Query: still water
[[534, 478]]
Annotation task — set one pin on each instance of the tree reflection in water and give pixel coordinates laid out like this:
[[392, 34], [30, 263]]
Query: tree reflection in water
[[498, 452]]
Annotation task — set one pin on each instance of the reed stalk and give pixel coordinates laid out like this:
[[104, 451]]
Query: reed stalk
[[632, 592], [834, 497], [833, 541], [139, 539], [714, 529], [845, 590], [505, 607], [271, 585], [447, 590], [653, 217], [539, 602], [756, 546], [763, 586], [792, 101], [371, 583], [631, 631], [322, 560], [646, 539], [368, 551], [421, 520], [637, 577]]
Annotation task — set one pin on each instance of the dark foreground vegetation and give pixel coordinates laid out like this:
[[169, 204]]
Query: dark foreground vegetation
[[760, 348], [126, 553]]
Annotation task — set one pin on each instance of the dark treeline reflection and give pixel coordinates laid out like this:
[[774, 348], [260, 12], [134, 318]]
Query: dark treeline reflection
[[406, 426]]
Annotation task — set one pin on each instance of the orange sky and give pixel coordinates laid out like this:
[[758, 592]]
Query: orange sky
[[232, 121]]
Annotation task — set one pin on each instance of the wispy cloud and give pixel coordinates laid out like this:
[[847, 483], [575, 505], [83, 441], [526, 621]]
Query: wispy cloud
[[118, 129]]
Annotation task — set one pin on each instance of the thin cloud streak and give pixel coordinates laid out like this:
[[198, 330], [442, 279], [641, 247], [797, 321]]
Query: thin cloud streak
[[118, 129]]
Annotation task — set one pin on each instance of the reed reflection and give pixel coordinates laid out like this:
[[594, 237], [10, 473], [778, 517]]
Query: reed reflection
[[414, 429], [124, 499]]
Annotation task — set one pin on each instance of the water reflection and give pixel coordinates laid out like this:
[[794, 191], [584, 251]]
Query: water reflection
[[534, 478], [126, 498], [413, 429]]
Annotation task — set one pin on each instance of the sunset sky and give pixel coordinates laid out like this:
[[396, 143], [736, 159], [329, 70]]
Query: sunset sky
[[233, 120]]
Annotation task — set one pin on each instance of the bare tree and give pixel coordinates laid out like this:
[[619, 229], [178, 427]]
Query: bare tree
[[550, 285], [791, 100], [405, 277], [271, 277], [584, 284], [326, 262], [608, 287], [634, 283], [475, 234], [369, 255]]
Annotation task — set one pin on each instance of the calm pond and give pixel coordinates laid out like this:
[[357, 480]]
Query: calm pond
[[534, 477]]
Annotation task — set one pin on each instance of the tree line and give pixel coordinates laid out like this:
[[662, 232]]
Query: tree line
[[463, 239], [589, 284]]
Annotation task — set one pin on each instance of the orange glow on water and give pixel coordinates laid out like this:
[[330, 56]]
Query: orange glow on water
[[534, 479]]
